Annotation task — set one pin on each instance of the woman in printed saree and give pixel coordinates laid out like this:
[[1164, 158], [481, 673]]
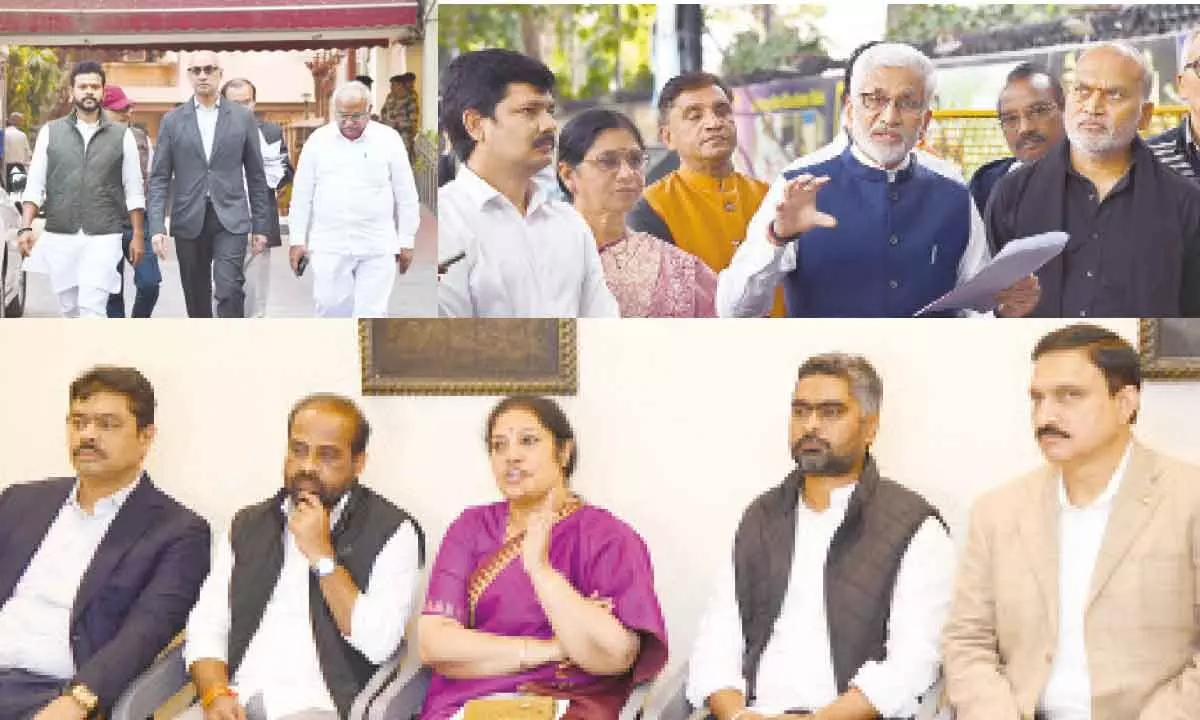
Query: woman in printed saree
[[602, 170], [541, 605]]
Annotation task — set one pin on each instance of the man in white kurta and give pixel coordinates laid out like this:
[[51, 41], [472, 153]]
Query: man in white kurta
[[354, 209], [309, 586], [840, 579], [89, 179]]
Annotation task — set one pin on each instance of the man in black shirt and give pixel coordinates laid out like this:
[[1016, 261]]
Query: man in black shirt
[[1134, 249]]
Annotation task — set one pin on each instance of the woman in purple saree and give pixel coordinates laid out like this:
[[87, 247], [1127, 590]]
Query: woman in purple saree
[[541, 593]]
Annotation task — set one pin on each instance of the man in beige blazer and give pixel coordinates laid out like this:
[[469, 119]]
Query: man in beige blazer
[[1077, 595]]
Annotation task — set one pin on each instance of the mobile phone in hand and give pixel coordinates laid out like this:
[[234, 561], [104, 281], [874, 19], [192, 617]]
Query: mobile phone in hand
[[444, 266], [302, 266]]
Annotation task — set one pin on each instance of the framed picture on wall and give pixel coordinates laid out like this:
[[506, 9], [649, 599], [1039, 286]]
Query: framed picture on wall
[[468, 356], [1170, 348]]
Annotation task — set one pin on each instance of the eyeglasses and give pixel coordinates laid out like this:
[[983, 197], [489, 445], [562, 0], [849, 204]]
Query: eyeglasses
[[1194, 66], [825, 412], [878, 102], [351, 116], [104, 423], [611, 160], [204, 70], [1033, 113], [1081, 93]]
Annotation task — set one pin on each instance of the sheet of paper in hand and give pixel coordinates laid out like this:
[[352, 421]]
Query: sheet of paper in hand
[[1018, 259]]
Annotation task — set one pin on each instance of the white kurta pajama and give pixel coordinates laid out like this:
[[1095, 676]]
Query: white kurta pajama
[[354, 205], [82, 268]]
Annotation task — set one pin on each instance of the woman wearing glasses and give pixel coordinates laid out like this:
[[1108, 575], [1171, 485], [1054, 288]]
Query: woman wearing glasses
[[601, 168]]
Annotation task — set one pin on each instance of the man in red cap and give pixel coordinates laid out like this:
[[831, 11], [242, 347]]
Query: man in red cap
[[146, 275]]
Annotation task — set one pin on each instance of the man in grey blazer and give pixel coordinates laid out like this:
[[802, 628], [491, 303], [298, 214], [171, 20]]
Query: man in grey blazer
[[205, 148]]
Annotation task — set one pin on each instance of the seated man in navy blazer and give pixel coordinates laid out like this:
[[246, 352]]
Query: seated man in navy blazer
[[99, 571]]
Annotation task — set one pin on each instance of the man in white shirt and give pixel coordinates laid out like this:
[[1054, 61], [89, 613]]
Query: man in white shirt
[[208, 161], [1077, 592], [355, 208], [839, 581], [891, 234], [506, 247], [311, 590], [278, 171], [87, 173], [98, 571]]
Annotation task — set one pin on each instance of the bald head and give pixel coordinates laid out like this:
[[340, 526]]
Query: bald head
[[1120, 60], [1109, 100], [204, 72]]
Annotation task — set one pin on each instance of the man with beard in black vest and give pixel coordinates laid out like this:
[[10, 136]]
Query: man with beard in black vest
[[312, 589], [840, 579]]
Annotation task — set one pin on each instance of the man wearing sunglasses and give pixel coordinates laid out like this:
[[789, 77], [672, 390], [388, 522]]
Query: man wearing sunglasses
[[1031, 115], [205, 147], [1134, 225], [1176, 148]]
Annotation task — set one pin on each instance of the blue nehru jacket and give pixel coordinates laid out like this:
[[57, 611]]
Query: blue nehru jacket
[[896, 247]]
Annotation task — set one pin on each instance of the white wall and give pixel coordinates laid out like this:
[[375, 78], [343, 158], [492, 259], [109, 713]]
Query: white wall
[[680, 423]]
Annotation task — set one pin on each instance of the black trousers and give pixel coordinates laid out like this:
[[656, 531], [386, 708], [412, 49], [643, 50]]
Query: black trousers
[[212, 266]]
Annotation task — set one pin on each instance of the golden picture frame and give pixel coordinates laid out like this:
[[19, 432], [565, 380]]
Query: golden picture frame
[[1170, 348], [468, 356]]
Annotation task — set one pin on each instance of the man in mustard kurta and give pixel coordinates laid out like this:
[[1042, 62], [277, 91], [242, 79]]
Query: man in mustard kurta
[[704, 206]]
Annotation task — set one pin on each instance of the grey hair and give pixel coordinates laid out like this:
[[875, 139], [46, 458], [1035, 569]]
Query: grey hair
[[353, 91], [856, 370], [1129, 51], [894, 55]]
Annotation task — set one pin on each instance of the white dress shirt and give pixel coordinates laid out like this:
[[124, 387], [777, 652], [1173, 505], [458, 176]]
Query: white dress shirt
[[796, 669], [35, 623], [747, 287], [1068, 692], [281, 663], [206, 119], [354, 197], [544, 264]]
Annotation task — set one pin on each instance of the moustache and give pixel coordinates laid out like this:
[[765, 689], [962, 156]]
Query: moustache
[[86, 446], [811, 439], [1048, 430], [1031, 137]]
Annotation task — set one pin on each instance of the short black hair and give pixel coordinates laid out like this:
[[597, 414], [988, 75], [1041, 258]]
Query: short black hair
[[854, 56], [1108, 351], [680, 84], [236, 83], [403, 78], [1027, 70], [365, 80], [126, 381], [479, 81], [580, 133], [548, 413], [343, 405], [88, 67]]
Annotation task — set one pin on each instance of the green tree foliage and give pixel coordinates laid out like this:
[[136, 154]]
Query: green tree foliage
[[920, 23], [777, 36], [35, 83], [592, 49]]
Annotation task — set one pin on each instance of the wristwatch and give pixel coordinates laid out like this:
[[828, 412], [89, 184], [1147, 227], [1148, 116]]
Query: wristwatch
[[87, 699], [324, 566]]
